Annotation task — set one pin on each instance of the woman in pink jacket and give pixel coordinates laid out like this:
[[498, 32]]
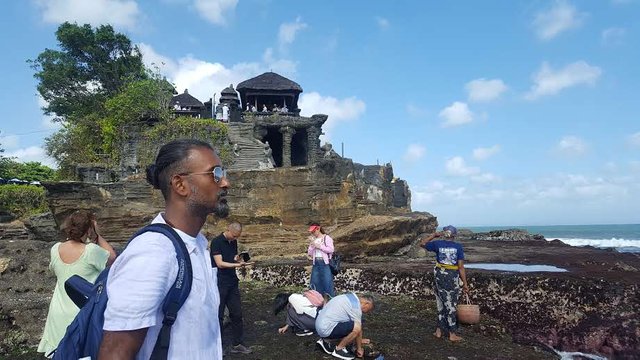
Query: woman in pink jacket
[[320, 251]]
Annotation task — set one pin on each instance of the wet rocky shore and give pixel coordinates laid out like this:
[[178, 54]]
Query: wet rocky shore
[[592, 308]]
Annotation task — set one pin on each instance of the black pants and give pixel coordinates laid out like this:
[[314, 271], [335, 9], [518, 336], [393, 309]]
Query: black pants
[[230, 298]]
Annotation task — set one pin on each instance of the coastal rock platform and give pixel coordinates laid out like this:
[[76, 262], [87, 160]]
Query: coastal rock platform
[[593, 307]]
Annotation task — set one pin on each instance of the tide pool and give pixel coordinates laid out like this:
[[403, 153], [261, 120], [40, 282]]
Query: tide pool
[[514, 267]]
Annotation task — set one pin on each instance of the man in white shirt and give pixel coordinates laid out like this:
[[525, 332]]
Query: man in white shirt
[[194, 184]]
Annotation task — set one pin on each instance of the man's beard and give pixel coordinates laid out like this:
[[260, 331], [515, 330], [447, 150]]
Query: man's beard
[[199, 208], [221, 209]]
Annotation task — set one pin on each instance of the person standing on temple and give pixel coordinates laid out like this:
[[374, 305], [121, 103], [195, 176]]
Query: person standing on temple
[[448, 272], [224, 255]]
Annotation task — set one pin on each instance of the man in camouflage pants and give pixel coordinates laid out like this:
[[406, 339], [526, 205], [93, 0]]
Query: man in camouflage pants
[[448, 271]]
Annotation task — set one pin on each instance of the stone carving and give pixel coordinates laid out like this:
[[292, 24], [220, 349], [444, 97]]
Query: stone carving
[[327, 150], [268, 153]]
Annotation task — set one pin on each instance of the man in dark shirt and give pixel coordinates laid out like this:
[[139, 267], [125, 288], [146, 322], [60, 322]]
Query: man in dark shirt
[[448, 271], [224, 256]]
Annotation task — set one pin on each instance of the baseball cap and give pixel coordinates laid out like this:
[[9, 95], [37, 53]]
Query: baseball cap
[[450, 228], [313, 228]]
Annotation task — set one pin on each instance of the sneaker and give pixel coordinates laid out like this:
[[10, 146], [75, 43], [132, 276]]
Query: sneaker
[[325, 346], [303, 332], [241, 349], [343, 354]]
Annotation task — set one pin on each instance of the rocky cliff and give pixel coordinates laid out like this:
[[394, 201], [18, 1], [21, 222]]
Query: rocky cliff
[[334, 192]]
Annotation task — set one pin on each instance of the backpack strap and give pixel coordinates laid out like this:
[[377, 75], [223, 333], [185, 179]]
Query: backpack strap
[[179, 291], [324, 240]]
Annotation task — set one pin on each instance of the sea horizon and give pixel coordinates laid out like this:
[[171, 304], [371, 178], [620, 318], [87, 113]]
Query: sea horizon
[[622, 237]]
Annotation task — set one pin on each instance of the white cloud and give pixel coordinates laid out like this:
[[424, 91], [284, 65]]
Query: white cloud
[[485, 153], [548, 81], [215, 11], [32, 153], [486, 178], [47, 120], [382, 23], [456, 114], [561, 198], [339, 110], [123, 14], [571, 146], [436, 192], [8, 142], [456, 166], [634, 140], [613, 36], [284, 67], [562, 16], [203, 78], [483, 90], [414, 152], [288, 31], [153, 60], [416, 111]]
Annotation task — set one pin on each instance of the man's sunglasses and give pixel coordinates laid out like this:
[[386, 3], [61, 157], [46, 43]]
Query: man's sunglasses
[[218, 173]]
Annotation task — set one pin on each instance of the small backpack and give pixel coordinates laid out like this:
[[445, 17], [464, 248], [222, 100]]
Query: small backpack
[[314, 297], [84, 335], [335, 260]]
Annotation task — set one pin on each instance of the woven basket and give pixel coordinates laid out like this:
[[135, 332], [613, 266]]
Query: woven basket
[[467, 313]]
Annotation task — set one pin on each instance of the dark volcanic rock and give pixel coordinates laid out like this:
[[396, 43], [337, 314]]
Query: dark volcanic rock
[[588, 315], [43, 227], [14, 231], [502, 235]]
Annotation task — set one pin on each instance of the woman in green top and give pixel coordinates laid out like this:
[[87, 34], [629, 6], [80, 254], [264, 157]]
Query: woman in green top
[[84, 253]]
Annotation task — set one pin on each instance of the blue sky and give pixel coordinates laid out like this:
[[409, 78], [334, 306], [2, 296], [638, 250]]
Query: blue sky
[[495, 112]]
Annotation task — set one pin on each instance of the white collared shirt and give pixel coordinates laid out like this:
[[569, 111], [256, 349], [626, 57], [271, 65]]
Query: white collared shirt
[[138, 282]]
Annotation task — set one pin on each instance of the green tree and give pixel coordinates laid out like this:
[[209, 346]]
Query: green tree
[[91, 66], [80, 142], [5, 162], [139, 103], [31, 171]]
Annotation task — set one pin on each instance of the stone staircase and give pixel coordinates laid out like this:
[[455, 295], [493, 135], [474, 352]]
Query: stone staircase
[[248, 151]]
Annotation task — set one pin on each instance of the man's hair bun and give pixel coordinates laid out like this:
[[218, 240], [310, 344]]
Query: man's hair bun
[[152, 176]]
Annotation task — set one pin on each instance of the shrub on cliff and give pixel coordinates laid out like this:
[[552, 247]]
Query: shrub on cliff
[[209, 130], [23, 200]]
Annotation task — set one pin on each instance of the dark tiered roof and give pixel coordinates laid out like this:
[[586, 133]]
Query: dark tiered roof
[[229, 95], [185, 99], [269, 81], [229, 91]]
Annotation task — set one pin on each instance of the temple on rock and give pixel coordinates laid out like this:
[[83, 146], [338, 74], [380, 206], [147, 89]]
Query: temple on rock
[[266, 131]]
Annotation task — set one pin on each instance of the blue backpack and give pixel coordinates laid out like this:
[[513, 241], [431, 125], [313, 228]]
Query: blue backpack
[[84, 335]]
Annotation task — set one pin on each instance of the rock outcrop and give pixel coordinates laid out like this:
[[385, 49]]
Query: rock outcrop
[[588, 315], [501, 235], [43, 227], [335, 192]]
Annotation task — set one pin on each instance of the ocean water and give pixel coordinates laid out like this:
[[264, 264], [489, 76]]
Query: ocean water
[[622, 237], [514, 267]]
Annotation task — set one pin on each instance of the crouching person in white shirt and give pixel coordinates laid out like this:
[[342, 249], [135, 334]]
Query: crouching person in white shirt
[[193, 184]]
